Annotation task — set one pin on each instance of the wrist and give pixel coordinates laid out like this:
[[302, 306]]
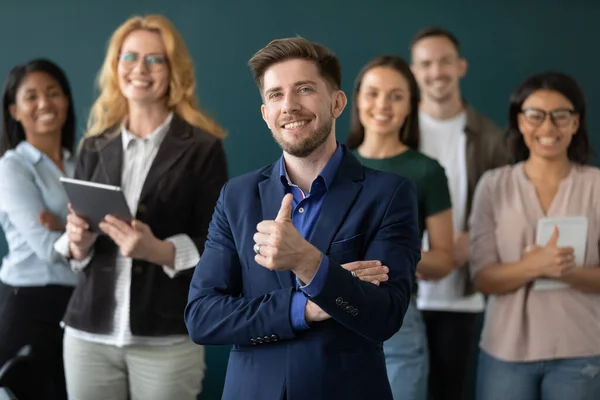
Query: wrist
[[309, 264], [162, 252], [307, 313], [78, 252], [570, 277], [533, 269]]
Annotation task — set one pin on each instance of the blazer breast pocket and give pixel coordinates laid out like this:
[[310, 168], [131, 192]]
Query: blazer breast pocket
[[347, 250]]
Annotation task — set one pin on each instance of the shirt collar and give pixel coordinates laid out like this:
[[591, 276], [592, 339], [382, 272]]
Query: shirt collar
[[327, 173], [155, 137], [34, 156]]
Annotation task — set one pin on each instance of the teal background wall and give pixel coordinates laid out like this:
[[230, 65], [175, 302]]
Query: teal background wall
[[503, 41]]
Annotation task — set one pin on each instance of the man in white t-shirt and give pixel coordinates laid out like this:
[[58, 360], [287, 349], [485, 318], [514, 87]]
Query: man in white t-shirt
[[466, 144]]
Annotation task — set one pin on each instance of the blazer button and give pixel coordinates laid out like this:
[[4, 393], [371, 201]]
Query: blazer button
[[259, 340], [253, 341], [274, 338], [339, 301], [344, 304], [266, 339], [354, 312], [349, 309]]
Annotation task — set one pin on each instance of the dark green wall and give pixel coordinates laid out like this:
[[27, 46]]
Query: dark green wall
[[503, 41]]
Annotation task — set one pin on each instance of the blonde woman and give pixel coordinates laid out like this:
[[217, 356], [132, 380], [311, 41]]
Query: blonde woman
[[125, 336]]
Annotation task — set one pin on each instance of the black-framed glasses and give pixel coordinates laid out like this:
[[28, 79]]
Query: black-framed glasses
[[153, 62], [561, 118]]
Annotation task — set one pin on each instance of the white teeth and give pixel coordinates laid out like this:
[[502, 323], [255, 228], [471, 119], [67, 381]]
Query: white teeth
[[47, 117], [381, 118], [137, 83], [294, 125], [547, 141]]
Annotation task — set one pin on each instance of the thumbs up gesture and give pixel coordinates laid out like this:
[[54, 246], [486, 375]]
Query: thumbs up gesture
[[285, 211], [279, 245], [551, 260]]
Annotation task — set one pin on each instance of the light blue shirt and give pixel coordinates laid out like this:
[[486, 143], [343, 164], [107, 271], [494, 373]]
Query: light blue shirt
[[29, 184]]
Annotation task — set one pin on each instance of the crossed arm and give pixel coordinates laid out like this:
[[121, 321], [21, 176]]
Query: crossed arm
[[217, 312]]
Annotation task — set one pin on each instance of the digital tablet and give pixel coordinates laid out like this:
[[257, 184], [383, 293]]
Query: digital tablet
[[572, 231], [94, 201]]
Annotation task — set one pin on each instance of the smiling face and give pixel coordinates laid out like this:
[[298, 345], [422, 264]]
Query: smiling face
[[547, 122], [383, 101], [438, 68], [299, 106], [143, 68], [40, 106]]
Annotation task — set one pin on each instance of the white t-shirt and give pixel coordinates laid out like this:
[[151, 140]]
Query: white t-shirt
[[445, 140]]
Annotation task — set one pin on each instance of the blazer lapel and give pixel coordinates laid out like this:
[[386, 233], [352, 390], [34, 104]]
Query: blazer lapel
[[271, 192], [110, 154], [173, 146], [339, 200]]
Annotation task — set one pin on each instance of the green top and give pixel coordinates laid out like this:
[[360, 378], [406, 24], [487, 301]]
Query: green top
[[428, 176]]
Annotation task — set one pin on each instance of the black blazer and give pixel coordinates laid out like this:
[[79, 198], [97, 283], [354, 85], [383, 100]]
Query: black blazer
[[178, 196]]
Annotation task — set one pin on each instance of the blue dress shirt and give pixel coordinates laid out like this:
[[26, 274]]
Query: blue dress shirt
[[306, 209], [29, 185]]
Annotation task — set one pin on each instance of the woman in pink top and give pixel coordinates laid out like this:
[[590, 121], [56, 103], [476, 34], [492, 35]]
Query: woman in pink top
[[539, 344]]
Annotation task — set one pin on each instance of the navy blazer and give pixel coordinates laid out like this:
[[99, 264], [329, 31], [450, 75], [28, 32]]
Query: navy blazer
[[367, 215]]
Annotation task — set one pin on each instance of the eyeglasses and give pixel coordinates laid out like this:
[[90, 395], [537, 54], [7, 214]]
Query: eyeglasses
[[560, 118], [152, 62]]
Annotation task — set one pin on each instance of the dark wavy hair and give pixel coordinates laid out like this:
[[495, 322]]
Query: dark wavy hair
[[12, 130], [579, 150], [409, 131]]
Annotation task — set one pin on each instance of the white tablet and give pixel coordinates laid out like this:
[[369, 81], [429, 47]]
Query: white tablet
[[572, 231]]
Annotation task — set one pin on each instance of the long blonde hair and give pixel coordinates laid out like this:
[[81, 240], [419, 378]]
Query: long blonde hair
[[110, 108]]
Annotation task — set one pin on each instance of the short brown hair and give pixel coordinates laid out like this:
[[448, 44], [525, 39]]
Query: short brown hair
[[279, 50], [435, 31]]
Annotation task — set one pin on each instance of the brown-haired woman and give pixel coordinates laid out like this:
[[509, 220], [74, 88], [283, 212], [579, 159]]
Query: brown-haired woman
[[385, 133], [539, 341]]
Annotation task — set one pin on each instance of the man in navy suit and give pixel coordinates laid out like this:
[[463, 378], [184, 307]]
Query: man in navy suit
[[271, 280]]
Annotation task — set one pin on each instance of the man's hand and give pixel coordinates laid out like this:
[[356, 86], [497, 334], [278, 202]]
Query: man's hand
[[279, 246], [314, 313], [368, 271]]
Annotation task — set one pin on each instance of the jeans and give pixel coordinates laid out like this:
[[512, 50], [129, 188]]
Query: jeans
[[559, 379], [407, 359]]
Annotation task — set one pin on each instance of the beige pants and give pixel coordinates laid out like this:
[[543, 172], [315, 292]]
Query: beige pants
[[101, 372]]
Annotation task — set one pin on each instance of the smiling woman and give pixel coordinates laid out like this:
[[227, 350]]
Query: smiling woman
[[539, 344], [384, 133], [163, 55], [35, 281], [147, 135]]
